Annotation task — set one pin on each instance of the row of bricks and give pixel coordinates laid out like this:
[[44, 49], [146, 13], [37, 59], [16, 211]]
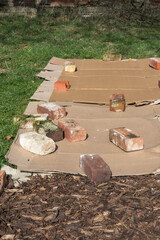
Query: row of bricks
[[122, 137]]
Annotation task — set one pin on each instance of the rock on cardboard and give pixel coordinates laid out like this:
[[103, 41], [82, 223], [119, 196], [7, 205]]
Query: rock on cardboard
[[37, 143]]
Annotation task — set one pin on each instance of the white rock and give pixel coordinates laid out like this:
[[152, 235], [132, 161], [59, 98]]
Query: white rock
[[37, 143], [70, 67]]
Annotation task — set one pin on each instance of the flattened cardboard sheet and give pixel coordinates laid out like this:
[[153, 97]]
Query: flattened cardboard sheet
[[98, 120], [95, 80]]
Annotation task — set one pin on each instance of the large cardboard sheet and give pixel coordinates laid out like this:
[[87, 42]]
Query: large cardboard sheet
[[95, 80], [98, 120]]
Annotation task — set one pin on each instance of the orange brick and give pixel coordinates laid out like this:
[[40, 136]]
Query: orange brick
[[126, 139], [61, 85], [3, 180], [117, 103], [72, 130], [154, 62], [95, 168]]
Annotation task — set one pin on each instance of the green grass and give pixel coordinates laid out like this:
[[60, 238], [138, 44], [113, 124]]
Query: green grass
[[26, 45]]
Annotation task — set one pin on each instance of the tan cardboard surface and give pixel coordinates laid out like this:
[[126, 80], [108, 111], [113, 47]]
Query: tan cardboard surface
[[98, 120], [95, 80]]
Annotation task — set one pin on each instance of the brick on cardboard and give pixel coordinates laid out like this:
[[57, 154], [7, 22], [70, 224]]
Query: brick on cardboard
[[61, 85], [155, 63], [53, 110], [117, 102], [95, 168], [126, 139], [72, 130]]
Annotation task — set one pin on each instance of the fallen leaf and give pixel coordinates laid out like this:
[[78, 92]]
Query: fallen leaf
[[9, 137]]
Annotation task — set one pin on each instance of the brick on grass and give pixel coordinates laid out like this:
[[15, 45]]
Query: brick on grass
[[72, 130], [61, 85], [126, 139], [70, 67], [3, 180], [53, 110], [154, 62], [95, 168], [117, 102]]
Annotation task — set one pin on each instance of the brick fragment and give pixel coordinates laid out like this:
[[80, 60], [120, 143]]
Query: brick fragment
[[154, 62], [117, 103], [72, 130], [95, 168], [61, 85], [53, 110], [126, 139], [3, 180], [70, 67], [50, 129]]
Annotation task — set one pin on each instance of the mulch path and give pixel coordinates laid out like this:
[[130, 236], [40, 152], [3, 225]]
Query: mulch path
[[65, 206]]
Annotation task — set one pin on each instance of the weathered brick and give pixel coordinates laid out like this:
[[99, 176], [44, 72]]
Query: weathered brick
[[72, 130], [53, 110], [50, 129], [126, 139], [70, 67], [95, 168], [3, 180], [61, 85], [117, 103], [154, 62]]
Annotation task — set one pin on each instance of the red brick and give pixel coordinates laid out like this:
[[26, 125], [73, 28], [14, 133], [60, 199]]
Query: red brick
[[117, 103], [3, 180], [72, 130], [95, 168], [154, 62], [61, 85], [126, 139], [53, 110]]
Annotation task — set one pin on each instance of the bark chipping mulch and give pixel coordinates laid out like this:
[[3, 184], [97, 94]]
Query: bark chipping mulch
[[64, 206]]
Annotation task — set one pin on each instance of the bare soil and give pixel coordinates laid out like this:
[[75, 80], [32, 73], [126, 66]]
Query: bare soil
[[65, 206]]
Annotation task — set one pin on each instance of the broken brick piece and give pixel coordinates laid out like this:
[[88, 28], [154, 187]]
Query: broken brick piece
[[126, 139], [61, 85], [154, 62], [95, 168], [50, 129], [53, 110], [70, 67], [72, 130], [117, 103], [3, 180]]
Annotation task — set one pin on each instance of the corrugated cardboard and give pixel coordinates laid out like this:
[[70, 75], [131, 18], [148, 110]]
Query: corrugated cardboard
[[98, 120], [95, 80]]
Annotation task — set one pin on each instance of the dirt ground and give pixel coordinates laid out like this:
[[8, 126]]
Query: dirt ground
[[65, 206]]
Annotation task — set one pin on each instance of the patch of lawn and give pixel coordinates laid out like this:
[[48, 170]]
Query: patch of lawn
[[26, 45]]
